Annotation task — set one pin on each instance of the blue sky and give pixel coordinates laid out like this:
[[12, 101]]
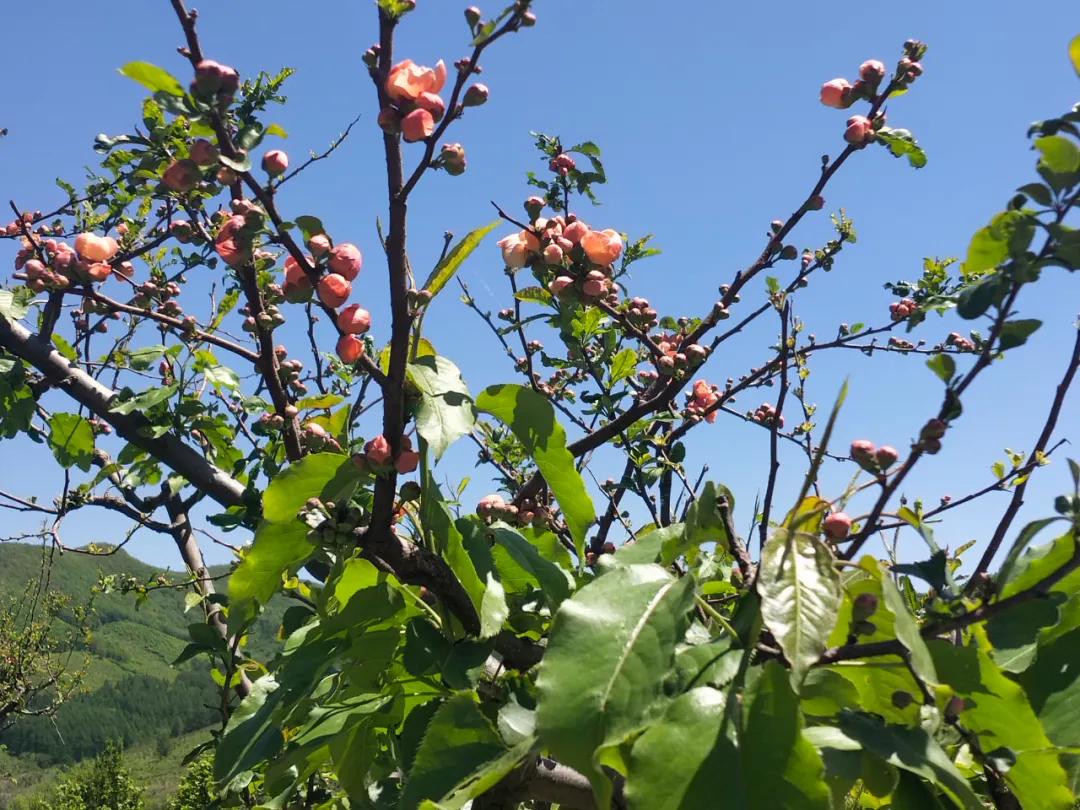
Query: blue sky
[[710, 126]]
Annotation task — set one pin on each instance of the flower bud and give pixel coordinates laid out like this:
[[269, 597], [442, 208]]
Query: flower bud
[[350, 348], [319, 245], [181, 231], [562, 164], [472, 16], [203, 152], [417, 125], [864, 606], [934, 429], [553, 254], [389, 120], [354, 320], [862, 452], [836, 526], [859, 130], [346, 260], [452, 157], [182, 176], [275, 162], [872, 71], [334, 290], [835, 93], [886, 456], [476, 95]]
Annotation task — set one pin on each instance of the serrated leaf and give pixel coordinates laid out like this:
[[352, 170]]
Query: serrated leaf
[[251, 735], [153, 78], [911, 749], [536, 295], [446, 411], [146, 400], [626, 625], [14, 304], [1059, 154], [902, 143], [998, 712], [72, 440], [800, 596], [532, 420], [459, 740], [493, 609], [445, 270], [142, 359], [555, 583], [1015, 333], [623, 365], [943, 366], [240, 165], [277, 129], [309, 226]]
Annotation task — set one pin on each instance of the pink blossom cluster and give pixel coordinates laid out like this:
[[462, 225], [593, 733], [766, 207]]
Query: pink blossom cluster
[[55, 265], [701, 400], [902, 309], [415, 104], [960, 342], [872, 458], [766, 414], [378, 455]]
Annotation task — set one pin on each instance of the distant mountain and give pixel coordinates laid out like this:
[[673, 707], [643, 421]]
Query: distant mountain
[[131, 691]]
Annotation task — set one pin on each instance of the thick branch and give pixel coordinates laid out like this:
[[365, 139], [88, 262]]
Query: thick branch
[[133, 427]]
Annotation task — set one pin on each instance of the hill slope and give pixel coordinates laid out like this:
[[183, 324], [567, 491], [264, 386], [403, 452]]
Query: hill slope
[[131, 691]]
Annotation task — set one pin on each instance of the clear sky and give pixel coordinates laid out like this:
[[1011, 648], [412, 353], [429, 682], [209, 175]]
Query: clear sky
[[709, 121]]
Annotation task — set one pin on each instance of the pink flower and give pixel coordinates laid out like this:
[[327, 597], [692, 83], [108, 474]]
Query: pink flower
[[834, 93], [602, 247], [182, 176], [211, 77], [476, 95], [99, 271], [346, 260], [859, 130], [562, 164], [433, 103], [295, 274], [354, 320], [517, 247], [702, 398], [96, 248], [553, 254], [275, 162], [377, 450], [872, 71], [417, 125], [350, 348], [230, 244], [407, 80], [862, 451], [203, 152], [575, 231], [319, 245], [490, 506], [334, 290], [596, 284], [886, 456], [559, 284], [837, 525], [407, 461]]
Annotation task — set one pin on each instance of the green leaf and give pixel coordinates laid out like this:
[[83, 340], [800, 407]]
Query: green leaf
[[277, 129], [532, 420], [623, 365], [907, 632], [943, 365], [319, 402], [142, 359], [902, 143], [1038, 192], [156, 79], [648, 547], [146, 400], [449, 543], [309, 226], [251, 736], [222, 377], [701, 775], [911, 749], [626, 625], [459, 741], [1052, 684], [493, 609], [307, 478], [998, 713], [240, 165], [976, 299], [1015, 333], [704, 523], [779, 767], [553, 580], [446, 411], [1074, 54], [14, 304], [990, 245], [800, 596], [1059, 154], [536, 295], [451, 263], [483, 778], [72, 440], [64, 347], [1027, 534]]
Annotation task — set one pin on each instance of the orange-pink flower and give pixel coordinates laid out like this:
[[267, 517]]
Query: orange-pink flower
[[517, 247], [230, 244], [407, 80], [96, 248], [602, 247], [417, 125]]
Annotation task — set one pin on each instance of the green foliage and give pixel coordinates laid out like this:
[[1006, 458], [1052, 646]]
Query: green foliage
[[104, 784]]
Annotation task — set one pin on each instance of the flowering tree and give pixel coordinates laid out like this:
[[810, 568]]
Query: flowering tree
[[619, 644]]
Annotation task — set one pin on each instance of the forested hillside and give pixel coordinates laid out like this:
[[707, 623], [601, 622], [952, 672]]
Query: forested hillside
[[131, 692]]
